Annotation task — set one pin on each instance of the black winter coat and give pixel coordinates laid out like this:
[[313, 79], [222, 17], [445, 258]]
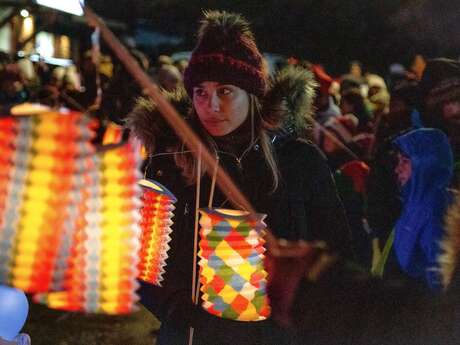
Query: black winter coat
[[304, 206]]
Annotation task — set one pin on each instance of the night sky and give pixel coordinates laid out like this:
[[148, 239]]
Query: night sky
[[332, 32]]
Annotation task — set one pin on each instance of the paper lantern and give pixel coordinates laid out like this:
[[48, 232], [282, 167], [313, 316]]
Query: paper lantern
[[44, 161], [103, 266], [157, 213], [232, 276], [112, 134]]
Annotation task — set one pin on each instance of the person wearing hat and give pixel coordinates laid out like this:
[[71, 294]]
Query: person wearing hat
[[337, 139], [324, 102], [440, 94], [235, 110]]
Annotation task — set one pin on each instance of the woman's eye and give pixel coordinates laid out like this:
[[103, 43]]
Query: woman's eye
[[199, 92], [225, 91]]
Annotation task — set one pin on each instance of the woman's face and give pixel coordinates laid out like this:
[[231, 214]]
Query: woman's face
[[403, 169], [221, 108]]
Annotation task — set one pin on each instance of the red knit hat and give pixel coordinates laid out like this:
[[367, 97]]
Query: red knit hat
[[324, 79], [226, 52]]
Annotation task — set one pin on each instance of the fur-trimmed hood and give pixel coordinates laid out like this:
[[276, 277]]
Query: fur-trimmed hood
[[286, 108], [148, 124]]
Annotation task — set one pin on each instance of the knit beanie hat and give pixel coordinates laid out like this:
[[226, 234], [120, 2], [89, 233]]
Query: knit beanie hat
[[440, 81], [226, 52], [324, 80]]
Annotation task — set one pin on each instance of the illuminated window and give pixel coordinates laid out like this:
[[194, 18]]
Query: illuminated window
[[5, 38], [63, 47], [44, 44]]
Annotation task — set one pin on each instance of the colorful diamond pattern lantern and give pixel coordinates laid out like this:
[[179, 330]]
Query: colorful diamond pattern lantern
[[44, 161], [103, 266], [232, 276], [157, 213]]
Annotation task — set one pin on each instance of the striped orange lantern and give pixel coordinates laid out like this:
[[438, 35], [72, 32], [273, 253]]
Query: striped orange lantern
[[157, 213], [44, 160], [103, 266]]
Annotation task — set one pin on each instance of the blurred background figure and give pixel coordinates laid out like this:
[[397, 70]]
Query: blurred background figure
[[418, 66], [324, 102], [440, 108], [12, 86], [122, 90], [378, 96], [353, 102], [356, 70], [169, 77], [181, 65], [337, 141]]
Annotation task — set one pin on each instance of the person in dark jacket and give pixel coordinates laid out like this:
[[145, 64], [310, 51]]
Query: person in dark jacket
[[281, 175], [384, 203]]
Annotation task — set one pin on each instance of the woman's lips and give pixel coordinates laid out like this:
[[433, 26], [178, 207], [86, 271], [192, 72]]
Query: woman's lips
[[213, 121]]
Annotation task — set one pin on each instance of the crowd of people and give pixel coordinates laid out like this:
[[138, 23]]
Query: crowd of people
[[367, 165]]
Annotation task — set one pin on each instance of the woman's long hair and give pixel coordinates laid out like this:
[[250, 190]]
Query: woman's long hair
[[187, 162]]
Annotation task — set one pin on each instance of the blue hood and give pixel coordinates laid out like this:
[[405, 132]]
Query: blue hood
[[432, 163], [425, 200]]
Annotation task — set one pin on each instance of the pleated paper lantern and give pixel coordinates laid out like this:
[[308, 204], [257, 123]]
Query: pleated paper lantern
[[112, 134], [44, 161], [103, 266], [157, 213], [232, 276]]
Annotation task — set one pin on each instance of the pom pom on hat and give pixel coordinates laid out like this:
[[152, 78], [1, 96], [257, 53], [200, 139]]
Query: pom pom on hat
[[226, 52]]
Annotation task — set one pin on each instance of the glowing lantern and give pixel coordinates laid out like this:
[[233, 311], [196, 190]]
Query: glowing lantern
[[102, 268], [156, 227], [112, 134], [44, 161], [232, 277]]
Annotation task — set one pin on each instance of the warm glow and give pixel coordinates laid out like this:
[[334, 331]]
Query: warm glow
[[64, 47], [27, 28], [232, 274]]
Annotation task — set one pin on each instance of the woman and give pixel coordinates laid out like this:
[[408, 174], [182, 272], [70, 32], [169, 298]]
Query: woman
[[283, 177]]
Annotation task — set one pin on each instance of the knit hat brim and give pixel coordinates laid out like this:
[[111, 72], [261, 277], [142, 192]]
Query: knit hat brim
[[224, 69]]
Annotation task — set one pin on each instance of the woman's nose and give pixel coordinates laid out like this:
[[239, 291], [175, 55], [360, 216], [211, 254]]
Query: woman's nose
[[214, 102]]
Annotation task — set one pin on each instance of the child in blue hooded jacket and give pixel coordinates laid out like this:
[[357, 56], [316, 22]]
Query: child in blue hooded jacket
[[424, 170]]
